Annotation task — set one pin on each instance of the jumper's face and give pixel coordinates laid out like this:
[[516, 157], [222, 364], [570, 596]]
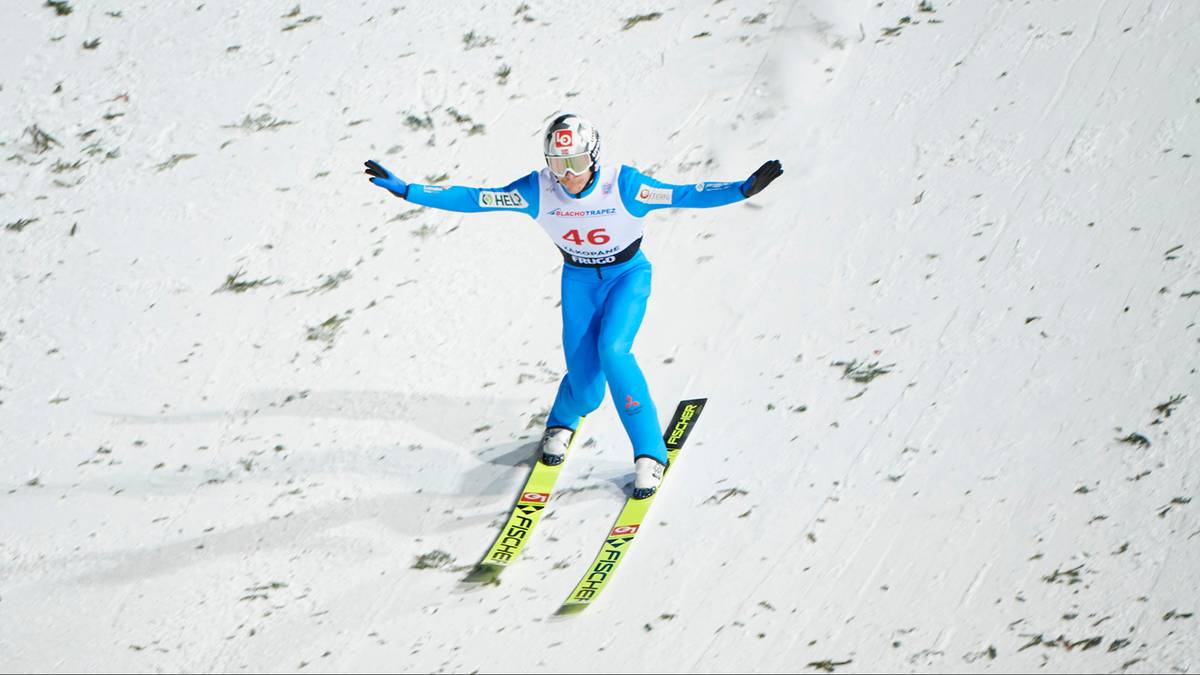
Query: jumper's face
[[573, 183]]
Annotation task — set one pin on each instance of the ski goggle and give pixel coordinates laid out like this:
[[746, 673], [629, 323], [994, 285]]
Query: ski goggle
[[576, 164]]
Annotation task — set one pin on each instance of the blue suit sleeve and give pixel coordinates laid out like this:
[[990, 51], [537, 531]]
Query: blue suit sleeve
[[642, 194], [520, 195]]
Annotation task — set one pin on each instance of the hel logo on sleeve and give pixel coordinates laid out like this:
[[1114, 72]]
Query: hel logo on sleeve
[[502, 200], [651, 195], [564, 139]]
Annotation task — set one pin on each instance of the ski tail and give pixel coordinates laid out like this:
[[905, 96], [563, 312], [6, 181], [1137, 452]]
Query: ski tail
[[681, 424]]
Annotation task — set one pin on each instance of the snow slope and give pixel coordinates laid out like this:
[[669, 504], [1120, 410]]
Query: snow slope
[[243, 392]]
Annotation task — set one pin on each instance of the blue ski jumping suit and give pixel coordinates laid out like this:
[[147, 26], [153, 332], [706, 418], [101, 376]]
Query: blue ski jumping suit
[[605, 279]]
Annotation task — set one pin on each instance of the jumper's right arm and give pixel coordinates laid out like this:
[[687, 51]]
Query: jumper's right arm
[[520, 195]]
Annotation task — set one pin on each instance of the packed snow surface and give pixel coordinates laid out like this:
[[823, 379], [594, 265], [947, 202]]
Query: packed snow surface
[[259, 415]]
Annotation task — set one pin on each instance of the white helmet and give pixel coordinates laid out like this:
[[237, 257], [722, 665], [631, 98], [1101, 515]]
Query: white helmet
[[571, 145]]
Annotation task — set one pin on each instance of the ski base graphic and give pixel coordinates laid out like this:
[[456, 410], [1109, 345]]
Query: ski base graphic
[[524, 518]]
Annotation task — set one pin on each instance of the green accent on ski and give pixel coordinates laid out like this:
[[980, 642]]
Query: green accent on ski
[[630, 520], [524, 517]]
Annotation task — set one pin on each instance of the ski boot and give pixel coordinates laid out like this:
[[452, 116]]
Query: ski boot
[[552, 450], [648, 473]]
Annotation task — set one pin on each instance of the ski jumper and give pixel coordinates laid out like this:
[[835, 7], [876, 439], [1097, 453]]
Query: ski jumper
[[605, 279]]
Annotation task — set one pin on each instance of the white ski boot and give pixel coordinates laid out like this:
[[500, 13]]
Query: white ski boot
[[553, 447], [648, 474]]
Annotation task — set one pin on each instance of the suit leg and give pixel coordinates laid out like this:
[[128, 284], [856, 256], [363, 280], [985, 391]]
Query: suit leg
[[624, 310], [582, 388]]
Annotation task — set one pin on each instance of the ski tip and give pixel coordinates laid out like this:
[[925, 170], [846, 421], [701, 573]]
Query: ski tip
[[484, 574], [571, 609]]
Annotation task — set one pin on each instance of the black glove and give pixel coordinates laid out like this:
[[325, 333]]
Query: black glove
[[762, 178], [386, 179]]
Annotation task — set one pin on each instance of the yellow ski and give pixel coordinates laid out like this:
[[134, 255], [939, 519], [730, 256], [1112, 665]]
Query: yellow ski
[[524, 517], [620, 538]]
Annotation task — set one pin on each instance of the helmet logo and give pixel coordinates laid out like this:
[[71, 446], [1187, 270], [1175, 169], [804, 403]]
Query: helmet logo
[[563, 139]]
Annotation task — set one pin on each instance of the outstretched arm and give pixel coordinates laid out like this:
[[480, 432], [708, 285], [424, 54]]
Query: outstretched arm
[[520, 195], [642, 194]]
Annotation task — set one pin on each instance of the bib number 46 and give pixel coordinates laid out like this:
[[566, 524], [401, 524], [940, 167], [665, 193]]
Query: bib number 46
[[597, 237]]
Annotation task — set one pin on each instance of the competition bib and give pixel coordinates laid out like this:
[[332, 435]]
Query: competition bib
[[593, 231]]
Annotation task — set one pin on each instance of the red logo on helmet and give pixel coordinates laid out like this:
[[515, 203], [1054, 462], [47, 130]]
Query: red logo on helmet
[[644, 193], [564, 139]]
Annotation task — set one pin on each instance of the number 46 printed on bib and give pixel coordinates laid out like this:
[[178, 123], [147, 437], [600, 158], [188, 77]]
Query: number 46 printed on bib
[[597, 237]]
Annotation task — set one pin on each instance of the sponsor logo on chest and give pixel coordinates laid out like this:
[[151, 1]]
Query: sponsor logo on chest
[[502, 200], [581, 213]]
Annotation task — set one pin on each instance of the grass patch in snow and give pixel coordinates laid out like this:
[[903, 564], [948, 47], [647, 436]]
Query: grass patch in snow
[[295, 13], [425, 231], [173, 162], [726, 494], [417, 123], [1178, 501], [1165, 409], [632, 21], [330, 282], [235, 284], [1069, 577], [828, 665], [407, 215], [862, 372], [41, 141], [475, 128], [259, 592], [433, 560], [1061, 641], [473, 41], [1136, 439], [327, 330], [20, 224], [538, 420], [60, 166], [264, 122]]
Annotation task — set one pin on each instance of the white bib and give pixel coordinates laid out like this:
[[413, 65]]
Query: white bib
[[593, 230]]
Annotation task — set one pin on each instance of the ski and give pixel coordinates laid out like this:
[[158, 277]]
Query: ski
[[630, 520], [524, 517]]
